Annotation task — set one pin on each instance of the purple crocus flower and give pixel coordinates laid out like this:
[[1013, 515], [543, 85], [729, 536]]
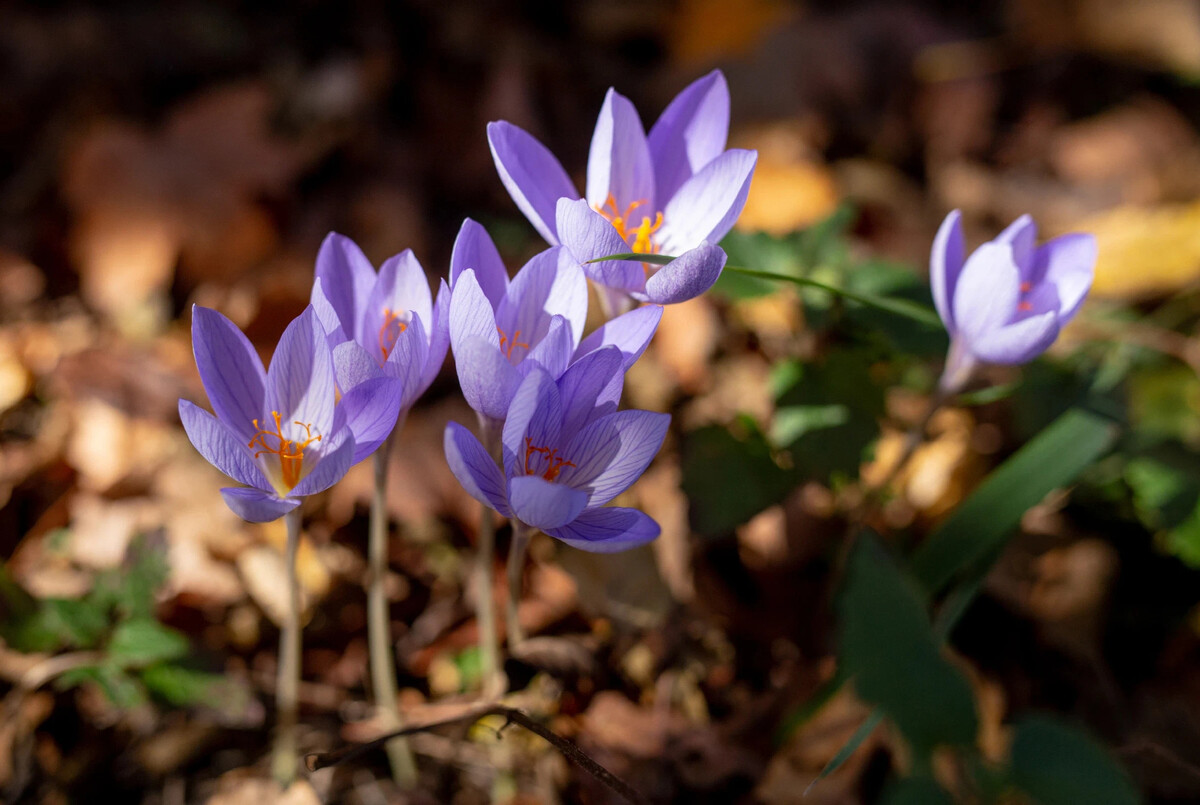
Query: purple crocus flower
[[281, 431], [675, 191], [380, 325], [564, 457], [1008, 301], [501, 330]]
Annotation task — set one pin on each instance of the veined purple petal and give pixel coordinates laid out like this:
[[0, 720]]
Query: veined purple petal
[[619, 158], [256, 506], [487, 379], [230, 370], [945, 264], [1016, 343], [327, 316], [1021, 235], [346, 277], [687, 276], [607, 530], [535, 414], [353, 365], [331, 465], [1068, 263], [475, 470], [708, 204], [220, 446], [612, 452], [582, 384], [550, 283], [630, 332], [300, 382], [471, 314], [569, 295], [532, 175], [690, 133], [402, 288], [371, 410], [439, 337], [407, 361], [475, 250], [987, 292], [553, 353], [543, 504], [588, 234]]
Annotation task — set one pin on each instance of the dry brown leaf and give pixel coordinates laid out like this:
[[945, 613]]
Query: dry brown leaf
[[791, 188]]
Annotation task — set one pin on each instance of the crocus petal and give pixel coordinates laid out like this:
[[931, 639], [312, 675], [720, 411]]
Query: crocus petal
[[1021, 235], [255, 506], [582, 384], [986, 295], [331, 465], [371, 410], [439, 337], [1068, 263], [475, 470], [1016, 343], [945, 264], [487, 379], [707, 205], [407, 361], [532, 175], [220, 446], [471, 314], [535, 414], [475, 250], [544, 504], [230, 370], [630, 332], [610, 453], [588, 235], [690, 133], [607, 530], [346, 277], [553, 352], [687, 276], [402, 287], [619, 158], [327, 316], [353, 365], [300, 382], [550, 283]]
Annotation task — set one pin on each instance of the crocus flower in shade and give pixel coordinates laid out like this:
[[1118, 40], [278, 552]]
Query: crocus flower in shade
[[564, 458], [279, 431], [1007, 302], [675, 191], [380, 325]]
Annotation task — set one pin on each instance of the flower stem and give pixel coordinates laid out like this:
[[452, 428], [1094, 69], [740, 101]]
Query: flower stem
[[492, 682], [379, 639], [283, 760], [516, 566]]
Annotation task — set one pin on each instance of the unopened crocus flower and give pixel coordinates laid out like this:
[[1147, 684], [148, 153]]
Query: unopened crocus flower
[[1007, 302], [564, 458], [676, 191], [281, 431], [380, 325]]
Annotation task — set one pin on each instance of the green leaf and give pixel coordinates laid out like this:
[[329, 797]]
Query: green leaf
[[1057, 764], [890, 650], [119, 687], [729, 478], [184, 686], [142, 642], [916, 791], [131, 588], [848, 749], [984, 521], [80, 622]]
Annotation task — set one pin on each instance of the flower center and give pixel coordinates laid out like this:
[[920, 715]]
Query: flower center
[[638, 236], [290, 451], [544, 461], [389, 332], [512, 343]]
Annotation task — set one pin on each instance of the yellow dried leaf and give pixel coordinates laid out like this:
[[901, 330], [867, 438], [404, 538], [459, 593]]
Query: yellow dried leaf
[[1145, 252]]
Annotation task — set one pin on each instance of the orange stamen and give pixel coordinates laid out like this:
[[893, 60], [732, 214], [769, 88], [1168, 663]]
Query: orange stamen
[[513, 344], [640, 234], [554, 462], [290, 451], [388, 336], [1024, 306], [1026, 287]]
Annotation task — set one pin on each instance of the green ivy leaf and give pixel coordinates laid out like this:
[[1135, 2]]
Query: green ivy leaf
[[142, 642], [730, 478]]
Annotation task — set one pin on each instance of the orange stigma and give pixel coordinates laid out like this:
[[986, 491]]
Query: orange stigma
[[290, 452], [554, 462], [389, 332], [1024, 306], [512, 343], [1026, 287], [641, 233]]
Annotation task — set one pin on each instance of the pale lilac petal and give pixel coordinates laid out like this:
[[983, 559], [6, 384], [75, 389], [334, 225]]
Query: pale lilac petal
[[335, 460], [1068, 263], [255, 506], [1021, 234], [708, 204], [475, 250], [346, 277], [987, 292], [535, 413], [619, 158], [220, 446], [1016, 343], [471, 314], [407, 360], [543, 504], [550, 283], [630, 332], [487, 379], [1040, 299], [945, 264], [230, 370], [588, 234], [531, 174], [553, 353], [690, 133], [353, 365], [439, 338], [569, 295], [371, 410], [327, 316], [402, 287], [300, 381], [687, 276], [475, 470], [612, 452], [581, 386], [607, 530]]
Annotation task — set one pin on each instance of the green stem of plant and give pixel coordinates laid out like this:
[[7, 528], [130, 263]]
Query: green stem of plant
[[516, 566], [379, 632], [283, 760]]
